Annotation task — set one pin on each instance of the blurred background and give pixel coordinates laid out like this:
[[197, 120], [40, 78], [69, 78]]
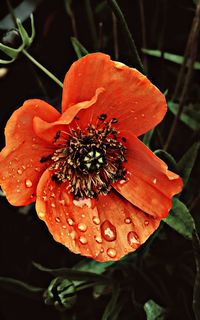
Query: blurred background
[[163, 271]]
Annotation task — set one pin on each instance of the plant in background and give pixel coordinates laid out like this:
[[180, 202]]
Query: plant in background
[[100, 190]]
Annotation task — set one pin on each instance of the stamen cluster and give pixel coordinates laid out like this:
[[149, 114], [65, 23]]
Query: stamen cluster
[[91, 160]]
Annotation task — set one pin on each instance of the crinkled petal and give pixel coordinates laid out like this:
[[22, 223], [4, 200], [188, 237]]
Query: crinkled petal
[[150, 185], [103, 229], [47, 130], [129, 96], [20, 166]]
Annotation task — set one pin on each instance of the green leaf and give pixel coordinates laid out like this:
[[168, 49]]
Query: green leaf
[[19, 287], [196, 291], [72, 274], [93, 266], [186, 164], [180, 219], [113, 307], [148, 137], [79, 48], [166, 157], [190, 115], [169, 56], [154, 311]]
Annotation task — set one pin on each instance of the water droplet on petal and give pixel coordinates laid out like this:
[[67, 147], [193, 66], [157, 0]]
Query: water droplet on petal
[[37, 169], [24, 167], [146, 222], [53, 205], [111, 252], [53, 195], [155, 181], [82, 227], [44, 198], [133, 239], [122, 181], [127, 220], [108, 231], [96, 220], [64, 226], [57, 219], [41, 214], [102, 250], [142, 115], [28, 183], [62, 202], [98, 239], [83, 240], [19, 171], [70, 222], [82, 202], [73, 235]]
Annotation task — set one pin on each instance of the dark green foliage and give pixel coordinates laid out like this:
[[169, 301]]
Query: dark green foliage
[[161, 280]]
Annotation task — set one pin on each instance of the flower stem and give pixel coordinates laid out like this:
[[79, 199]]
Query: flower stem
[[117, 11], [48, 73]]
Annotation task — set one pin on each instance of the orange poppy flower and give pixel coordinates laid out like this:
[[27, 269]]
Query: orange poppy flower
[[98, 188]]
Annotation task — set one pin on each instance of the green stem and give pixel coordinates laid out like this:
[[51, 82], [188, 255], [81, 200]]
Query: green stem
[[48, 73], [118, 13]]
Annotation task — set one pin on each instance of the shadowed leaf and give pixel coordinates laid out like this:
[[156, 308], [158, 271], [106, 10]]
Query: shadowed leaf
[[180, 219], [148, 137], [196, 291], [190, 115], [186, 164], [113, 307], [166, 157], [169, 56], [79, 48], [154, 311]]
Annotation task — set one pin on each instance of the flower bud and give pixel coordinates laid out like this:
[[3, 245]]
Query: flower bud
[[61, 293]]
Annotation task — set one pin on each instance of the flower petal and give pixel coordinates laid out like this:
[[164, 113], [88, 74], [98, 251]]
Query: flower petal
[[20, 166], [150, 185], [103, 229], [47, 130], [129, 96]]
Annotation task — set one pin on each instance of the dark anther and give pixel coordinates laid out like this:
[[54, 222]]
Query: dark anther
[[102, 117], [114, 120], [55, 178], [123, 139], [57, 136], [45, 159]]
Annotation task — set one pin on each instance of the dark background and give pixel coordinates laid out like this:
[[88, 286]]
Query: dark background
[[23, 237]]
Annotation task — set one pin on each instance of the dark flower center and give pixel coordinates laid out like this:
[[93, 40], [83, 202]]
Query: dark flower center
[[91, 160]]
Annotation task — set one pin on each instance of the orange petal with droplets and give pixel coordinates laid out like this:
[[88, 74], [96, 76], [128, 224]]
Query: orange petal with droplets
[[129, 96], [150, 185], [20, 167], [104, 229]]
